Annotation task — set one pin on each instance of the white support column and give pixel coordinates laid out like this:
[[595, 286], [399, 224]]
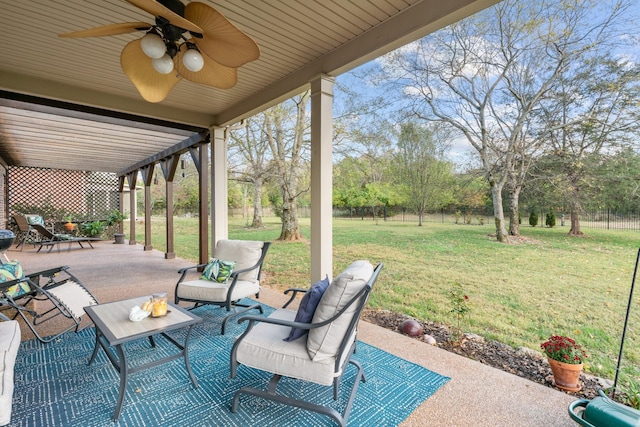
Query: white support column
[[219, 208], [321, 177]]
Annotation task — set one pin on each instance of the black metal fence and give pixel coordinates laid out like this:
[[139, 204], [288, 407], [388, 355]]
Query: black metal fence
[[608, 219]]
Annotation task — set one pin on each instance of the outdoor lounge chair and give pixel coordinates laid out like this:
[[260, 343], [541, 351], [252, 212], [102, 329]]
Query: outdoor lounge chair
[[50, 239], [231, 275], [25, 233], [320, 356], [42, 296]]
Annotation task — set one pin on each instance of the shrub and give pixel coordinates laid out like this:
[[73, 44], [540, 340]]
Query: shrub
[[94, 228], [116, 217], [550, 221], [533, 219]]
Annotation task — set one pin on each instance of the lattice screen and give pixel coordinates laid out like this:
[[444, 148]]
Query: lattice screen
[[55, 193]]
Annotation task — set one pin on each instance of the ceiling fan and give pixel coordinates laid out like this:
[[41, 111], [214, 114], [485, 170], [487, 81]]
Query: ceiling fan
[[194, 42]]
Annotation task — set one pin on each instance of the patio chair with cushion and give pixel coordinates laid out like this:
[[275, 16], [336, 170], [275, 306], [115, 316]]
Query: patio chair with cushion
[[42, 296], [47, 238], [231, 275], [286, 344]]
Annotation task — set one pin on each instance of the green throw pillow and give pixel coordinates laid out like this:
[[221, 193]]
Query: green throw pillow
[[218, 270], [12, 271]]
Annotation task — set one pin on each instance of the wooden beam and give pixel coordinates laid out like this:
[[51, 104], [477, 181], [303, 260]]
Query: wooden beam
[[179, 148]]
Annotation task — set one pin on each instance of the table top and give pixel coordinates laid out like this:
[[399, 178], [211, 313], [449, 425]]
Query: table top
[[112, 319]]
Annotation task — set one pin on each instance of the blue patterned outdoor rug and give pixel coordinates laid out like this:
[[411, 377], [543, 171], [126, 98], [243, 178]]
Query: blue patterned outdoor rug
[[54, 386]]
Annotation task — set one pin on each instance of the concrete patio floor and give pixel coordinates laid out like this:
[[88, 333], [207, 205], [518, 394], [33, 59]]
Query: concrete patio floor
[[476, 395]]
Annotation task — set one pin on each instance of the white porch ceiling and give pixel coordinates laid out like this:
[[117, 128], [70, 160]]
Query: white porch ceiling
[[298, 41]]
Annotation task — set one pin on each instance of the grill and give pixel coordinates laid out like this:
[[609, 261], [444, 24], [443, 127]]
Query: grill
[[6, 240]]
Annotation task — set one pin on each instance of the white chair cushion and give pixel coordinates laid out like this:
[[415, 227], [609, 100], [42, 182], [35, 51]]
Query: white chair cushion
[[324, 342], [245, 253], [263, 348], [206, 290], [9, 344]]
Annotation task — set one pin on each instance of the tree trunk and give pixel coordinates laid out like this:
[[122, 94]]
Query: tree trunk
[[498, 214], [575, 222], [420, 214], [257, 205], [514, 217], [290, 226]]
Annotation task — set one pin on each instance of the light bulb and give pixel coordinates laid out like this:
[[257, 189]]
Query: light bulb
[[193, 60], [163, 65], [153, 46]]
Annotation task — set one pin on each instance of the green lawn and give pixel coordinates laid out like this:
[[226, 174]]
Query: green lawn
[[520, 294]]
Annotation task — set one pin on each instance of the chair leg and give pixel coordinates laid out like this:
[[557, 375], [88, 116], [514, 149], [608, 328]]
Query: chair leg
[[239, 312], [23, 240], [270, 394]]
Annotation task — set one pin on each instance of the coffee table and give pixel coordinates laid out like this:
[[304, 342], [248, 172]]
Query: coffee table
[[114, 329]]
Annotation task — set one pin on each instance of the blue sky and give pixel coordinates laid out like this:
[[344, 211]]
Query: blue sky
[[461, 152]]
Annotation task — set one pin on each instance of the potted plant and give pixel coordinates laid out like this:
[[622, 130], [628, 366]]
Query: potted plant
[[113, 220], [565, 358], [92, 229], [69, 226], [116, 217]]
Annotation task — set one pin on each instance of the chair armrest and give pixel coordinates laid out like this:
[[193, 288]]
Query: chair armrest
[[50, 273], [294, 295], [236, 273], [252, 319], [183, 271], [33, 279]]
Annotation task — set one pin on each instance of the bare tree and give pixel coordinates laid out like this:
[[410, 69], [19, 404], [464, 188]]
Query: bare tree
[[249, 145], [486, 75], [286, 128]]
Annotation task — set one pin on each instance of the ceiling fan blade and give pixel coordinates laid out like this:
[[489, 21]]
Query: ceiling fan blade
[[153, 86], [157, 9], [212, 74], [109, 30], [222, 41]]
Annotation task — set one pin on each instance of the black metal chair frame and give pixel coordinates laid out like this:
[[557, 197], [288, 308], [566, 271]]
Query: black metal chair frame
[[228, 304], [42, 292], [25, 233], [347, 346]]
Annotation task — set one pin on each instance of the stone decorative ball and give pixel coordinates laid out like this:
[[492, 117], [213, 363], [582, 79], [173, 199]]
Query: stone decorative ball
[[411, 327]]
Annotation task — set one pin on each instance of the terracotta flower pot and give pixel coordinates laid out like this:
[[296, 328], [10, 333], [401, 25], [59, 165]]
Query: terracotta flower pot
[[566, 375], [70, 226]]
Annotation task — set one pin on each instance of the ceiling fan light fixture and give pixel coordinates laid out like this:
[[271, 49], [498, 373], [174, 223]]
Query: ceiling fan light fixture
[[163, 65], [153, 46], [193, 60]]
